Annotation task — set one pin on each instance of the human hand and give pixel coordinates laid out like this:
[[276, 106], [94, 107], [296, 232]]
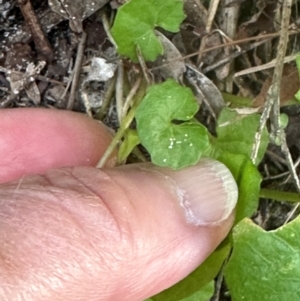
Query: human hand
[[78, 233]]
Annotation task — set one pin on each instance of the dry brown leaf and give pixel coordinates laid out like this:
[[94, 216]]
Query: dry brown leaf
[[76, 10], [260, 22], [176, 67], [205, 90], [289, 86]]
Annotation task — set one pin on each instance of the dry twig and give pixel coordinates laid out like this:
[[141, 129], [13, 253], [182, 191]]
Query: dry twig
[[40, 40], [76, 71], [272, 106]]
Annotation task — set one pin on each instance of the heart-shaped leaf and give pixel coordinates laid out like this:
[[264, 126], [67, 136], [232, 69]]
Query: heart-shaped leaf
[[166, 128]]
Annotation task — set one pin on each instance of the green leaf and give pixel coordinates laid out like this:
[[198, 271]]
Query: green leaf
[[160, 124], [131, 140], [248, 180], [233, 147], [203, 294], [283, 121], [135, 22], [236, 133], [198, 285], [298, 63], [265, 266], [297, 95]]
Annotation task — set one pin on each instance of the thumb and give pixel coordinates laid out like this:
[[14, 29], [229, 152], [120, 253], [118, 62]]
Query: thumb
[[118, 234]]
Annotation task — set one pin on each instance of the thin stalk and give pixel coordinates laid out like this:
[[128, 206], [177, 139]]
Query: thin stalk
[[130, 96], [119, 91], [281, 196], [107, 99], [124, 125], [119, 135]]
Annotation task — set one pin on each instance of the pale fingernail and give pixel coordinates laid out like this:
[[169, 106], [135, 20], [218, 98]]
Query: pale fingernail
[[207, 192]]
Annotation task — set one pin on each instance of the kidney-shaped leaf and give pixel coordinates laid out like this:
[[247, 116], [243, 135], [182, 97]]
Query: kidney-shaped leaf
[[236, 133], [264, 266], [135, 22], [248, 179], [166, 128]]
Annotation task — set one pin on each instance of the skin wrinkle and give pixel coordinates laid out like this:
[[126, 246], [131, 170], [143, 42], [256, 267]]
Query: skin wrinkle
[[130, 233], [107, 177], [102, 199], [136, 243], [26, 220], [77, 250], [117, 187], [58, 195], [73, 215], [45, 277], [63, 278], [20, 286]]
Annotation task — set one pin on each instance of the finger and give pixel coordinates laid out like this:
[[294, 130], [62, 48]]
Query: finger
[[35, 140], [120, 234]]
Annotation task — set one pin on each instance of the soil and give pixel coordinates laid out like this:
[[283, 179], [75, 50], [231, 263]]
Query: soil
[[54, 60]]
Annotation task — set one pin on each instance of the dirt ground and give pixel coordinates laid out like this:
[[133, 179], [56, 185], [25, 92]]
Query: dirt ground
[[53, 53]]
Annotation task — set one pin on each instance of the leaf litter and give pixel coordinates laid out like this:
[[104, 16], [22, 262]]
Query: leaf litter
[[39, 62]]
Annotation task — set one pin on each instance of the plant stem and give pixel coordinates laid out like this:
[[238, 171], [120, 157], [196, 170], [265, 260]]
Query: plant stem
[[120, 133], [237, 101], [124, 124], [281, 196]]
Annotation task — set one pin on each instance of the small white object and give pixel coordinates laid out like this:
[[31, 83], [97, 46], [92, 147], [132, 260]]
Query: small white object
[[101, 70]]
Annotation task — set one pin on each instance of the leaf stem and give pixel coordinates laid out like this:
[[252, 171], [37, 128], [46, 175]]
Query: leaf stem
[[107, 99], [120, 133], [281, 196], [124, 125], [130, 96], [237, 101]]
